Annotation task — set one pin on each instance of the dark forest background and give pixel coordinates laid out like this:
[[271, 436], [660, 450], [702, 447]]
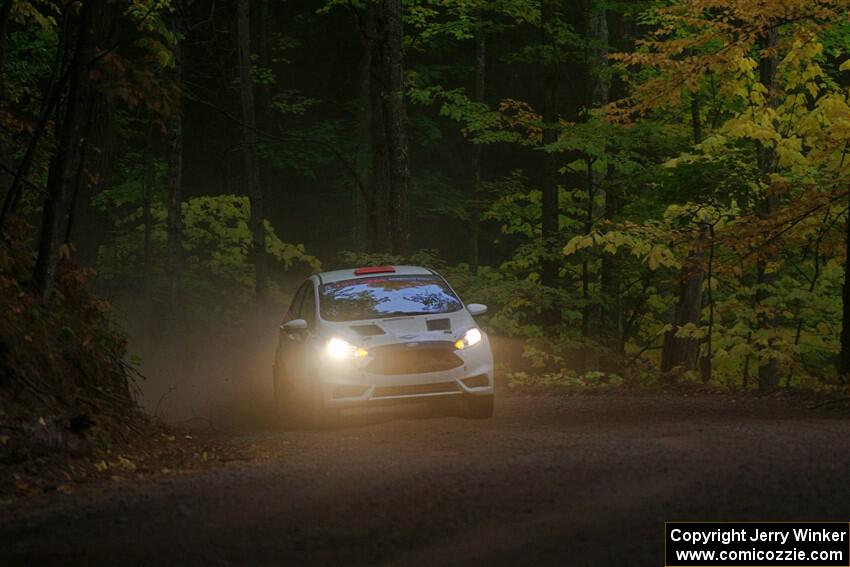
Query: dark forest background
[[641, 191]]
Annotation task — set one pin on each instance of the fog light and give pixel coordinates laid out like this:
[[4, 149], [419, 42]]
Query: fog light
[[478, 381]]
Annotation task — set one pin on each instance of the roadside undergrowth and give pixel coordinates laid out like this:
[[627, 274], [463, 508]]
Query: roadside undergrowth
[[66, 390]]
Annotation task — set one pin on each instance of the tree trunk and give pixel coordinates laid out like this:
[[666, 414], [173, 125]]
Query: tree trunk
[[707, 361], [379, 234], [549, 205], [768, 371], [477, 149], [597, 96], [396, 128], [266, 113], [80, 184], [696, 117], [585, 270], [249, 148], [360, 212], [844, 354], [680, 354], [612, 319], [53, 94], [389, 178], [174, 198], [147, 216], [65, 166], [6, 148]]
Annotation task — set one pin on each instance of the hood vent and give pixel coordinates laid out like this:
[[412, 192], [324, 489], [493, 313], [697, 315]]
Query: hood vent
[[439, 324], [368, 330]]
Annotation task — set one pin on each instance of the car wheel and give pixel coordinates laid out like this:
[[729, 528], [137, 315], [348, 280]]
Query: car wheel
[[480, 407]]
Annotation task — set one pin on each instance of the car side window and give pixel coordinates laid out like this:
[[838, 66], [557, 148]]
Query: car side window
[[308, 307], [295, 308]]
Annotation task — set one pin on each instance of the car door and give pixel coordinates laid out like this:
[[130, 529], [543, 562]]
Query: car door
[[305, 347], [296, 344], [289, 343]]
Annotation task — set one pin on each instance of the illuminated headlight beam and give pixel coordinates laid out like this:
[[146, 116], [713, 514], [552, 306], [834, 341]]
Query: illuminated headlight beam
[[340, 348], [470, 338]]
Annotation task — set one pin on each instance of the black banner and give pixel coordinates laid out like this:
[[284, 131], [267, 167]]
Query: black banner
[[757, 544]]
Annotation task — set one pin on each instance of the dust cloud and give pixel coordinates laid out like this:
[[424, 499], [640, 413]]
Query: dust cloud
[[219, 378], [206, 377]]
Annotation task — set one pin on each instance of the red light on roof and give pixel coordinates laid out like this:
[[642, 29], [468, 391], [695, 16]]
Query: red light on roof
[[374, 270]]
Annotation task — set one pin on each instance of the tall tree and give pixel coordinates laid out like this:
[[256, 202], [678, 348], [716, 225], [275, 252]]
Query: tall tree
[[378, 233], [681, 353], [844, 353], [678, 353], [480, 77], [249, 147], [767, 160], [5, 147], [174, 191], [396, 126], [389, 176], [549, 116], [66, 163]]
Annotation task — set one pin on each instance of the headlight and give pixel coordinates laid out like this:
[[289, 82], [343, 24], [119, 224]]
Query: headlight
[[339, 348], [470, 338]]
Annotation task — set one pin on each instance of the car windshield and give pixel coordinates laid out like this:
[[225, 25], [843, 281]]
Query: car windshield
[[386, 296]]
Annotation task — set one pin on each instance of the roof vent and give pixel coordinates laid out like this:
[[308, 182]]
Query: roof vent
[[439, 324]]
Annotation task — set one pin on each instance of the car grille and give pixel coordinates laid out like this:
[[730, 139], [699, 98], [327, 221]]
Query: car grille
[[416, 389], [413, 358]]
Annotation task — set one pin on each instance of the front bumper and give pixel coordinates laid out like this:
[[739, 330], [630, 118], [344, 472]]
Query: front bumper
[[350, 384]]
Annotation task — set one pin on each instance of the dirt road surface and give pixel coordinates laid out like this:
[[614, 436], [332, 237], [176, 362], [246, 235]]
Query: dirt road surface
[[551, 480]]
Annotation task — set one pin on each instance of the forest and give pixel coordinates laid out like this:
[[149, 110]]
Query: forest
[[642, 191]]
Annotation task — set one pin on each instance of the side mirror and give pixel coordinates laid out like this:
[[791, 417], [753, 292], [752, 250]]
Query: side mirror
[[476, 309], [295, 326]]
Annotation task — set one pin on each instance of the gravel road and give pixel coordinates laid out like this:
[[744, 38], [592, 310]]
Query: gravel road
[[551, 480]]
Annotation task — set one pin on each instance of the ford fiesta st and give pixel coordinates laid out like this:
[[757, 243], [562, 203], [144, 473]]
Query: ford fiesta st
[[380, 334]]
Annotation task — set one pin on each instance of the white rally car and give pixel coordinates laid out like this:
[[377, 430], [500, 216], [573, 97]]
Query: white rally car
[[380, 334]]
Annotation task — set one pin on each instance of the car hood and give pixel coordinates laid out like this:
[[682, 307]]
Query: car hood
[[393, 330]]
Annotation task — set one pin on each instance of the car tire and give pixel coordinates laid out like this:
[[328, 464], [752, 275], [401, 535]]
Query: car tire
[[480, 407]]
